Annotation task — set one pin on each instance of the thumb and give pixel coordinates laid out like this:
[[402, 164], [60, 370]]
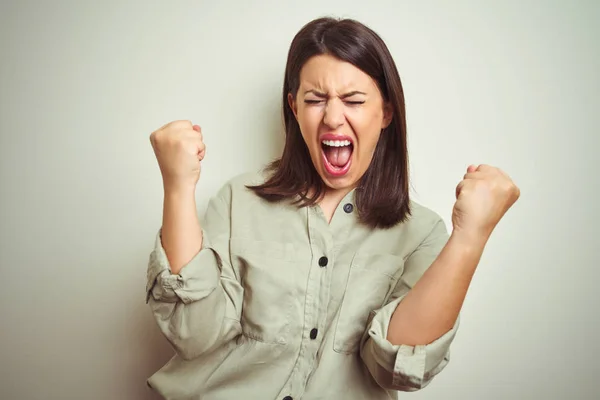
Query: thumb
[[472, 168], [196, 128]]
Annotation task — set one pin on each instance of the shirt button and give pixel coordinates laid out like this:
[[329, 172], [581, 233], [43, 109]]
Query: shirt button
[[323, 261], [313, 333], [348, 208]]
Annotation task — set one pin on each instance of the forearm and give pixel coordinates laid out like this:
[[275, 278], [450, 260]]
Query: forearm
[[181, 234], [431, 308]]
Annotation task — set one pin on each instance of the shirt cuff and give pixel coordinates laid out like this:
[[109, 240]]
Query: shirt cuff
[[195, 280], [411, 367]]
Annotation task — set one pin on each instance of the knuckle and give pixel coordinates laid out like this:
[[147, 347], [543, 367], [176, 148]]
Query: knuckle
[[178, 124], [159, 137]]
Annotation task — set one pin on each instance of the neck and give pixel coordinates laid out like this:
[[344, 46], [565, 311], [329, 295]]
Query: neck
[[336, 194], [331, 199]]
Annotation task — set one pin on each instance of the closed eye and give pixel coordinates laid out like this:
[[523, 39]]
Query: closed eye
[[354, 103]]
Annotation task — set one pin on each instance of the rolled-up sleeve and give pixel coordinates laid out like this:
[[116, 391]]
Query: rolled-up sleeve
[[402, 367], [198, 309]]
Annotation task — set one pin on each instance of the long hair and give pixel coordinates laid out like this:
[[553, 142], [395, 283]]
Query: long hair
[[382, 194]]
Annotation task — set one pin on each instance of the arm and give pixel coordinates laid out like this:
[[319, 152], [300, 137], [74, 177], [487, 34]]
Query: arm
[[198, 307], [401, 365], [181, 233], [432, 307], [408, 340]]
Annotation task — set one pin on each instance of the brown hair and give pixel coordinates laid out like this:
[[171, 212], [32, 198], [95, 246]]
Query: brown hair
[[382, 195]]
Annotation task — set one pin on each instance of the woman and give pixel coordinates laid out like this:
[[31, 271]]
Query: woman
[[318, 278]]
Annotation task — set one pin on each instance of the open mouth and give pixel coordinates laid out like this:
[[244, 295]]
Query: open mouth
[[337, 155]]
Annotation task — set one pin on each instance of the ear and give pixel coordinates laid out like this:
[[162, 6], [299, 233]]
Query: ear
[[293, 105], [388, 114]]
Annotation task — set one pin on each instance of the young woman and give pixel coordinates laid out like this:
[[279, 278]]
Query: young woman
[[317, 278]]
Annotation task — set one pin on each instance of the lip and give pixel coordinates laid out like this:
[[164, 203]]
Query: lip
[[332, 136]]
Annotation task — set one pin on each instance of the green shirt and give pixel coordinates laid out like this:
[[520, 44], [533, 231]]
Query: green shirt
[[279, 304]]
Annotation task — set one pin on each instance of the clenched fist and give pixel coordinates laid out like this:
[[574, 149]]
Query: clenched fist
[[179, 148], [482, 198]]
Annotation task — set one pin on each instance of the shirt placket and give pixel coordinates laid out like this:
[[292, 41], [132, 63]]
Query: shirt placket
[[316, 296], [323, 255]]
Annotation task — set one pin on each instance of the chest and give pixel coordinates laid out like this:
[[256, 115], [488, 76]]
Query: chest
[[299, 270], [296, 248]]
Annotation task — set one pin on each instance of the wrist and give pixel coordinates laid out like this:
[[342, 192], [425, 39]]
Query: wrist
[[180, 199], [179, 190], [470, 238]]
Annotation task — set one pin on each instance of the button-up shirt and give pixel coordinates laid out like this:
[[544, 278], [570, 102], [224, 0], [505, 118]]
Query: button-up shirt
[[281, 304]]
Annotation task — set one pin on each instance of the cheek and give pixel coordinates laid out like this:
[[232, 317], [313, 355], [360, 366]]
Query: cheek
[[369, 143], [308, 119], [307, 135], [367, 131]]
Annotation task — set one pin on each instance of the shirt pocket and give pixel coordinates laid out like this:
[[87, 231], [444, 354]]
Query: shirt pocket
[[371, 279], [266, 271]]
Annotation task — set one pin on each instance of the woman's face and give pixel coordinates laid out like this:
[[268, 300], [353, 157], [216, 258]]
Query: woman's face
[[341, 113]]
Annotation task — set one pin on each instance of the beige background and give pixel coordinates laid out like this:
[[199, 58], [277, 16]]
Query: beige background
[[82, 85]]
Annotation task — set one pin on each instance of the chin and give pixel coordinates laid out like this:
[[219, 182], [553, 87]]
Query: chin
[[347, 182]]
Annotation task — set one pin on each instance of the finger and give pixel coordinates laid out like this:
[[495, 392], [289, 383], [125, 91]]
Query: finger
[[459, 188], [201, 150], [475, 175], [198, 130], [472, 168], [194, 135], [485, 168]]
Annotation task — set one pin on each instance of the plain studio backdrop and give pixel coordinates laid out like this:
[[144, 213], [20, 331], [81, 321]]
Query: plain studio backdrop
[[513, 84]]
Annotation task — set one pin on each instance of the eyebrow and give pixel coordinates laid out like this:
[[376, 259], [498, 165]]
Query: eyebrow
[[323, 95]]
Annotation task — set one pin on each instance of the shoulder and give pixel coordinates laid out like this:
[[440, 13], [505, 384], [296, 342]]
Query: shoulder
[[423, 223], [426, 224], [422, 216], [237, 186], [238, 182]]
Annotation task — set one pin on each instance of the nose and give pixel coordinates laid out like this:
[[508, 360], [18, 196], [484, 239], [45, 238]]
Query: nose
[[334, 114]]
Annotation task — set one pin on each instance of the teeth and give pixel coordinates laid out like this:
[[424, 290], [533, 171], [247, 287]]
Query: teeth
[[336, 143]]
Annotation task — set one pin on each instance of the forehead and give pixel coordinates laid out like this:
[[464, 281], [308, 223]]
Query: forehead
[[331, 74]]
